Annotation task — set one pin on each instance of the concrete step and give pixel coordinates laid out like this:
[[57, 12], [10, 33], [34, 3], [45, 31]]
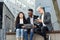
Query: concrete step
[[38, 37], [13, 37], [53, 36]]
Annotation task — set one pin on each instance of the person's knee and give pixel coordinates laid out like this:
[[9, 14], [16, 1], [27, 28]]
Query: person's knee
[[31, 30]]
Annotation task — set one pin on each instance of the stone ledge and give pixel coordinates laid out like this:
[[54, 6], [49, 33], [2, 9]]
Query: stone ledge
[[52, 32]]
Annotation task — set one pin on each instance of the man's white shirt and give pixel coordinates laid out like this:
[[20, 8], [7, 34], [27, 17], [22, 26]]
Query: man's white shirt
[[31, 20], [42, 18]]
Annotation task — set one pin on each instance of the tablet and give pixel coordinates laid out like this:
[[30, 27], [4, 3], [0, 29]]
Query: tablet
[[28, 26]]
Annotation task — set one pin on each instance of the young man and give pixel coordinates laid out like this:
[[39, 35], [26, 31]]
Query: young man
[[45, 19], [30, 20]]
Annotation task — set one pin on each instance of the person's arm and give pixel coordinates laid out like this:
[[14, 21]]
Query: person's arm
[[35, 17], [28, 20], [25, 21], [48, 18], [39, 20]]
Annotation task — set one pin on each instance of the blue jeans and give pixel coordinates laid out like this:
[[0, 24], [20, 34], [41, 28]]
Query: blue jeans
[[26, 35], [19, 33]]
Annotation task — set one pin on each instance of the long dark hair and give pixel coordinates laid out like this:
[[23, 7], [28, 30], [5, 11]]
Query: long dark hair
[[18, 18]]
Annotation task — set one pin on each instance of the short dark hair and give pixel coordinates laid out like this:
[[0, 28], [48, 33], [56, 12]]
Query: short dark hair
[[30, 10]]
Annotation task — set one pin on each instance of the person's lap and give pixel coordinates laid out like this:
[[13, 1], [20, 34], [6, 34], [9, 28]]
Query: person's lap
[[26, 34]]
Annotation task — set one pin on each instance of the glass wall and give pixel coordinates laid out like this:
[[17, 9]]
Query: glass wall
[[18, 5]]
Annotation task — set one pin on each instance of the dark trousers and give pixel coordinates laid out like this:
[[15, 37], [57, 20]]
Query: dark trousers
[[42, 31]]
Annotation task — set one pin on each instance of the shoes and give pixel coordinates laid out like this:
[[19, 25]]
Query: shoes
[[48, 37]]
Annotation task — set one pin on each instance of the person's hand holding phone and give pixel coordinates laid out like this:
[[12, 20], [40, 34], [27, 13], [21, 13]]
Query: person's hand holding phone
[[39, 20]]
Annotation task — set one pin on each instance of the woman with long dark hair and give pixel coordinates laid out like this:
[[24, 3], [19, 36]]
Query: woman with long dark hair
[[20, 21]]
